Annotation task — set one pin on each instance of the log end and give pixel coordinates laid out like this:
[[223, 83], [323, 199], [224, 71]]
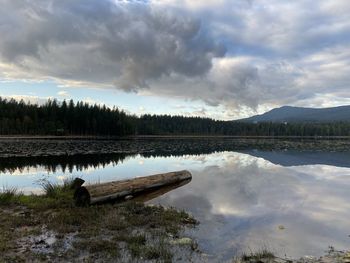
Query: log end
[[82, 196], [77, 182], [186, 174]]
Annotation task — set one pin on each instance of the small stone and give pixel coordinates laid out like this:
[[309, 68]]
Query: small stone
[[41, 241], [128, 197]]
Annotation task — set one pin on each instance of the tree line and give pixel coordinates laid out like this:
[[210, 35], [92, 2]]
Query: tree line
[[70, 118], [65, 118], [172, 125]]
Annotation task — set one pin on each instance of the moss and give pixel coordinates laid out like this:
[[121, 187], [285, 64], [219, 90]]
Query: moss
[[136, 245], [135, 250], [4, 242], [257, 256], [99, 246], [138, 239], [160, 252]]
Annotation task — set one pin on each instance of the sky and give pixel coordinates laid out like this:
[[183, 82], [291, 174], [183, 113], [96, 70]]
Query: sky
[[224, 59]]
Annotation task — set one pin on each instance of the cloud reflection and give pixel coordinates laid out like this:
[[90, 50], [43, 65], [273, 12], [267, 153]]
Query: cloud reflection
[[242, 201]]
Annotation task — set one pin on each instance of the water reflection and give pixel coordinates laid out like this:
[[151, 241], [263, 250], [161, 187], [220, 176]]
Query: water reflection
[[64, 163], [241, 199], [159, 191], [296, 158]]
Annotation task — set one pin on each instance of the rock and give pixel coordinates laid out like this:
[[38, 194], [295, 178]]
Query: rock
[[128, 197], [38, 242]]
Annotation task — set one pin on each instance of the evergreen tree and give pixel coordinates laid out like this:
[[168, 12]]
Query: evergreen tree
[[69, 118]]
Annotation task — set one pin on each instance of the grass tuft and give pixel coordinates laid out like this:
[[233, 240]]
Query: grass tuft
[[55, 196], [99, 247], [55, 190], [136, 245], [258, 256], [158, 252], [7, 196]]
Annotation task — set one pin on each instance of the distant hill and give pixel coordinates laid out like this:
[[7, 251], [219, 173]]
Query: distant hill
[[298, 114]]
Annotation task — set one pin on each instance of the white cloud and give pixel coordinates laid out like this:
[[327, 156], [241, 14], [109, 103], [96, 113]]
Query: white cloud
[[27, 98], [63, 93]]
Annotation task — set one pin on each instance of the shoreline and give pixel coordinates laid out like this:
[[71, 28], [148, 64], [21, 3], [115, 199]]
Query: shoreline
[[32, 148], [135, 137]]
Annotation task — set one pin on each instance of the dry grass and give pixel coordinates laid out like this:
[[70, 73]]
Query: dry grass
[[105, 232]]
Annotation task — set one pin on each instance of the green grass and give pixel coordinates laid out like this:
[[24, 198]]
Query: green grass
[[55, 196], [7, 196], [100, 230], [156, 252], [257, 256], [136, 245], [55, 190], [139, 248], [99, 247]]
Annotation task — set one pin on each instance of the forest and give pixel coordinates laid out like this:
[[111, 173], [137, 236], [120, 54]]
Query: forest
[[70, 118], [65, 118]]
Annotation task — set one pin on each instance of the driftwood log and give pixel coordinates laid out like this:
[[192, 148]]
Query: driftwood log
[[105, 192]]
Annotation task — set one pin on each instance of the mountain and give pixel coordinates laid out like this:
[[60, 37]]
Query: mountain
[[299, 114], [297, 158]]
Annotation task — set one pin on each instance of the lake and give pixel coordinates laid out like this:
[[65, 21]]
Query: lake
[[291, 202]]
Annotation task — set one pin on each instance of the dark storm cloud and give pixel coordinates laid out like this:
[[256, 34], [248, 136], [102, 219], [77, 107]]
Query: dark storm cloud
[[103, 41]]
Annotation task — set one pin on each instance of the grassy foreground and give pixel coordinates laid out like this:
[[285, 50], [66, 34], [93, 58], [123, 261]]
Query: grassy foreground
[[50, 228], [266, 256]]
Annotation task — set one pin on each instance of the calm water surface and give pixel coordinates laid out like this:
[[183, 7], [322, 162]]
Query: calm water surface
[[293, 203]]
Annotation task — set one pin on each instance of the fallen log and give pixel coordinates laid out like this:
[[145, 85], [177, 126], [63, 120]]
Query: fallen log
[[105, 192]]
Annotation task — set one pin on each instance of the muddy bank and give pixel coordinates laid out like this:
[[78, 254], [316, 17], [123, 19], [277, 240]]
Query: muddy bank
[[162, 146], [332, 256], [50, 228]]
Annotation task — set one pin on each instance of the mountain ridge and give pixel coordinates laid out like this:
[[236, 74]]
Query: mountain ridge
[[302, 114]]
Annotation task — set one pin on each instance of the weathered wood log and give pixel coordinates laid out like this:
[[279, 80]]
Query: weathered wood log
[[99, 193]]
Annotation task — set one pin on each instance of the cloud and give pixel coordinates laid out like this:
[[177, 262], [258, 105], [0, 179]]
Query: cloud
[[27, 98], [243, 55], [277, 53], [63, 93], [103, 42]]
